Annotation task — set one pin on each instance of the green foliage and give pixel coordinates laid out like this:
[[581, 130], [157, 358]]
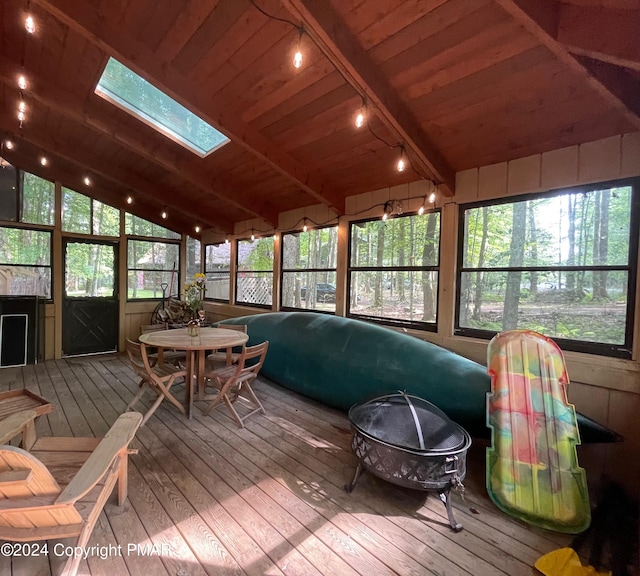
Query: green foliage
[[38, 198]]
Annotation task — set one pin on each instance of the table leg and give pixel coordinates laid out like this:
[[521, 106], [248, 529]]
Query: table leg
[[191, 365], [200, 374]]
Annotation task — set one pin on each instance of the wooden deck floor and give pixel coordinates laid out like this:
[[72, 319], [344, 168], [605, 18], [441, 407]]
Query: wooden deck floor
[[268, 499]]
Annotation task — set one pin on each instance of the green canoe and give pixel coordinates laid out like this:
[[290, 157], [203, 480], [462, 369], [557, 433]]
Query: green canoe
[[341, 362]]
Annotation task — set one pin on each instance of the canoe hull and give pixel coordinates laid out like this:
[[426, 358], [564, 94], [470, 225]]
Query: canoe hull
[[341, 362]]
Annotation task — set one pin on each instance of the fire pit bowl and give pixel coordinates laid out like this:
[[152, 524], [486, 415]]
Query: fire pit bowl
[[409, 442]]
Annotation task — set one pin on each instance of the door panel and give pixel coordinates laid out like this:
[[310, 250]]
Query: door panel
[[90, 302]]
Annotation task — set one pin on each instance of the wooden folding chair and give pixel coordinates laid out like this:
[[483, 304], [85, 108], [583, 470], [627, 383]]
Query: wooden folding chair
[[35, 504], [234, 382], [175, 357], [159, 378], [227, 356]]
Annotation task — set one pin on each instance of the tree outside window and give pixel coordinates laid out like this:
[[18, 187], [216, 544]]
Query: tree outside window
[[309, 269], [394, 269], [560, 263]]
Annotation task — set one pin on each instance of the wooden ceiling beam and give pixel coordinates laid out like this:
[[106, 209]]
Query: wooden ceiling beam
[[351, 60], [98, 28], [601, 33], [89, 114], [75, 153], [541, 18]]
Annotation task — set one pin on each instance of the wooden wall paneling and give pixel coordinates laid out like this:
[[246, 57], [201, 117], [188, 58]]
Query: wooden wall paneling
[[389, 48], [12, 39], [319, 118], [273, 94], [480, 85], [480, 52], [208, 34], [160, 16], [372, 22], [289, 107], [405, 67], [363, 148], [269, 48], [192, 16], [227, 42], [507, 102], [569, 128]]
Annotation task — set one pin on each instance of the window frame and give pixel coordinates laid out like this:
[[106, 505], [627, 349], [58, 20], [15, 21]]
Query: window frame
[[289, 270], [238, 271], [413, 324], [603, 349], [207, 272], [46, 230], [177, 283]]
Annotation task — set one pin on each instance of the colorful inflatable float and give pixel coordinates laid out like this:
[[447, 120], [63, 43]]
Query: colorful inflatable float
[[532, 464], [341, 361]]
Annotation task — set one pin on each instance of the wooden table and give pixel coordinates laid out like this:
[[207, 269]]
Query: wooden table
[[196, 348]]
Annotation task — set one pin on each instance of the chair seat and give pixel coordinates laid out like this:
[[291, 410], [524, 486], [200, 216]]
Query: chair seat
[[158, 377], [233, 382]]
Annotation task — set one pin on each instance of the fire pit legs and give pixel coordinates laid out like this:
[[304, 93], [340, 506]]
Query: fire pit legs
[[349, 487], [446, 500], [410, 442]]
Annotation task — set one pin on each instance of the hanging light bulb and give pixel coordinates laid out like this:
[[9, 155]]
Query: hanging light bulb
[[197, 229], [9, 144], [297, 57], [29, 24], [432, 198], [401, 165], [22, 106], [226, 240], [361, 115], [21, 115], [43, 160], [253, 236], [305, 227], [22, 82], [87, 181], [164, 214], [421, 210], [129, 199]]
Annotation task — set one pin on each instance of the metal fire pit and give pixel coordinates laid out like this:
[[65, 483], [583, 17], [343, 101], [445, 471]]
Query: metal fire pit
[[410, 442]]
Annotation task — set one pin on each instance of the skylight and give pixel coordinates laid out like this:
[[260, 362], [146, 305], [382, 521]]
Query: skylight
[[132, 93]]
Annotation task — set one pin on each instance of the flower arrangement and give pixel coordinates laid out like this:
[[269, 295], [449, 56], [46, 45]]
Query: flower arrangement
[[194, 293]]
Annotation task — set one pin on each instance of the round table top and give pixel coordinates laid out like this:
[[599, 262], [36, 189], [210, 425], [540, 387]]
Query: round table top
[[207, 339]]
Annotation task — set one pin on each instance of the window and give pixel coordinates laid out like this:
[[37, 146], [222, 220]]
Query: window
[[217, 266], [193, 257], [82, 215], [25, 262], [309, 269], [136, 226], [38, 197], [560, 263], [129, 91], [254, 275], [152, 269], [393, 270]]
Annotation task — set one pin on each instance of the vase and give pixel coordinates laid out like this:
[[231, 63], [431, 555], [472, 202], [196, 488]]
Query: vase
[[193, 329]]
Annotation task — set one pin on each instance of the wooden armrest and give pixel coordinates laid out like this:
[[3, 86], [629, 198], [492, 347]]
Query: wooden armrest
[[16, 424], [98, 464]]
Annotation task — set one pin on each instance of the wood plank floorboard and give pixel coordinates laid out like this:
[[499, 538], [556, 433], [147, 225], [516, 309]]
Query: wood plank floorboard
[[209, 498]]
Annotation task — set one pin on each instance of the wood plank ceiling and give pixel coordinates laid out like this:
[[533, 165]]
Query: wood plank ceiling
[[453, 83]]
